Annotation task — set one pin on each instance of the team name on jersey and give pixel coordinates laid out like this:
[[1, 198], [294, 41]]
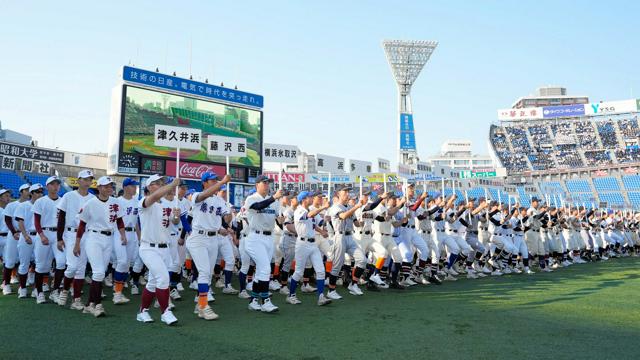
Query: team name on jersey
[[211, 209], [266, 211], [130, 210]]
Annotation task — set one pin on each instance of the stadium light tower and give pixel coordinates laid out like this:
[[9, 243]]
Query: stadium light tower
[[406, 59]]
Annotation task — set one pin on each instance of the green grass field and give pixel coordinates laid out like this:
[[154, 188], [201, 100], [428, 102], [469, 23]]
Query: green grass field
[[588, 311]]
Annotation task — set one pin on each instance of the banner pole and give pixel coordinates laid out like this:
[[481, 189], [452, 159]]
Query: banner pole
[[229, 184]]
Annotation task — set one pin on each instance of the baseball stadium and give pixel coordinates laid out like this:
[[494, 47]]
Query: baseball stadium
[[196, 230]]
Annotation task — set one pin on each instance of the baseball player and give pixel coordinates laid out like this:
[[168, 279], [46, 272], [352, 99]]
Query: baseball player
[[5, 237], [228, 249], [99, 218], [24, 217], [383, 229], [154, 248], [287, 244], [67, 228], [261, 216], [306, 248], [206, 238], [533, 236], [169, 202], [10, 253], [342, 219], [365, 239], [126, 255], [409, 237], [45, 220]]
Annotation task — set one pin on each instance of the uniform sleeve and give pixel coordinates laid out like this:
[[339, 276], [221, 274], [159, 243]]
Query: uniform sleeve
[[249, 201], [334, 211], [37, 207], [194, 198], [20, 212], [85, 212], [141, 205]]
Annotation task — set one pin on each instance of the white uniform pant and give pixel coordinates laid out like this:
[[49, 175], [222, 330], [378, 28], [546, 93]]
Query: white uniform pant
[[44, 254], [447, 243], [76, 265], [204, 253], [10, 252], [385, 247], [121, 255], [260, 249], [25, 254], [533, 242], [98, 248], [344, 244], [245, 259], [308, 252], [287, 247], [227, 253], [474, 242], [434, 249], [521, 245], [157, 260], [410, 240], [464, 247]]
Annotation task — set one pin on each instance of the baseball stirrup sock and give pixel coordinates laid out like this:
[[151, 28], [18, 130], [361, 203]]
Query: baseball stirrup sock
[[292, 287], [163, 299], [203, 292], [242, 279], [147, 299], [227, 277], [320, 283]]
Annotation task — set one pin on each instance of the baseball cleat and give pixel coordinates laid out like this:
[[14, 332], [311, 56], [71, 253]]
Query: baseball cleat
[[274, 285], [486, 270], [471, 275], [547, 269], [516, 270], [108, 282], [506, 270], [250, 286], [22, 293], [450, 277], [496, 272], [98, 310], [89, 309], [268, 307], [40, 298], [6, 290], [175, 295], [244, 295], [207, 313], [168, 318], [481, 275], [62, 298], [376, 279], [452, 272], [53, 296], [372, 287], [255, 305], [143, 316], [193, 285], [31, 278], [323, 300], [45, 287], [435, 280], [134, 289], [307, 288], [77, 304], [333, 295], [396, 285], [220, 283], [384, 285], [528, 271], [229, 290], [293, 300], [180, 287], [362, 281], [339, 282], [119, 298], [34, 293], [284, 290], [354, 290], [14, 280], [210, 297]]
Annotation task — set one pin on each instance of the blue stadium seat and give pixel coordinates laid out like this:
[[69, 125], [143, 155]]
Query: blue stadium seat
[[631, 182], [12, 181], [613, 198], [578, 186], [634, 198], [606, 184]]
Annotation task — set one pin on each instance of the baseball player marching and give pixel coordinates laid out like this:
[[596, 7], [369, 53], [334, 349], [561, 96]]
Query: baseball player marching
[[10, 253], [100, 218], [24, 217], [261, 216]]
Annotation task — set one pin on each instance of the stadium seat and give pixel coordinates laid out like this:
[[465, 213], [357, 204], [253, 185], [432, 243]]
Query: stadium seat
[[631, 182], [578, 186], [612, 198], [12, 181], [606, 184]]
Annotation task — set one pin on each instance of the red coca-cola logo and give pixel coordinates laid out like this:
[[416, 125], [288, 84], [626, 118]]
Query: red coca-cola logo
[[193, 170]]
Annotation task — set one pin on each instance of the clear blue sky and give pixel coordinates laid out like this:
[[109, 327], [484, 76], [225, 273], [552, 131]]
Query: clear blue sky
[[320, 65]]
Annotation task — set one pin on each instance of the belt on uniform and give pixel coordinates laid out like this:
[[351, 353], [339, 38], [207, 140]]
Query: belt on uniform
[[496, 234], [365, 232], [409, 226], [32, 233], [473, 232], [102, 232], [438, 230], [174, 234], [345, 232], [72, 229], [4, 234], [425, 231], [485, 229], [207, 233], [289, 234], [455, 231], [159, 245], [395, 235], [129, 229], [308, 239], [535, 230], [50, 228], [263, 232]]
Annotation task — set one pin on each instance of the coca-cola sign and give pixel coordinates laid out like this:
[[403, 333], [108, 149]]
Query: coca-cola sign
[[189, 170]]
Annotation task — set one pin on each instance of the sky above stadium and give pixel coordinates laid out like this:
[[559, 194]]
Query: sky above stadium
[[320, 66]]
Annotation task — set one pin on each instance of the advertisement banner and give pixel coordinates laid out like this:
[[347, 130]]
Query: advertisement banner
[[286, 177], [173, 83], [611, 107], [278, 153], [563, 111], [190, 170], [227, 146], [379, 178], [332, 164], [73, 182], [520, 114], [406, 122], [145, 109], [152, 166], [28, 152], [323, 178], [407, 140]]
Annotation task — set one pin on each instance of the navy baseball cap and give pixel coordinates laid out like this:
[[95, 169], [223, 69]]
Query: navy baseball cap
[[345, 188], [129, 181], [209, 175], [303, 195], [263, 178]]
